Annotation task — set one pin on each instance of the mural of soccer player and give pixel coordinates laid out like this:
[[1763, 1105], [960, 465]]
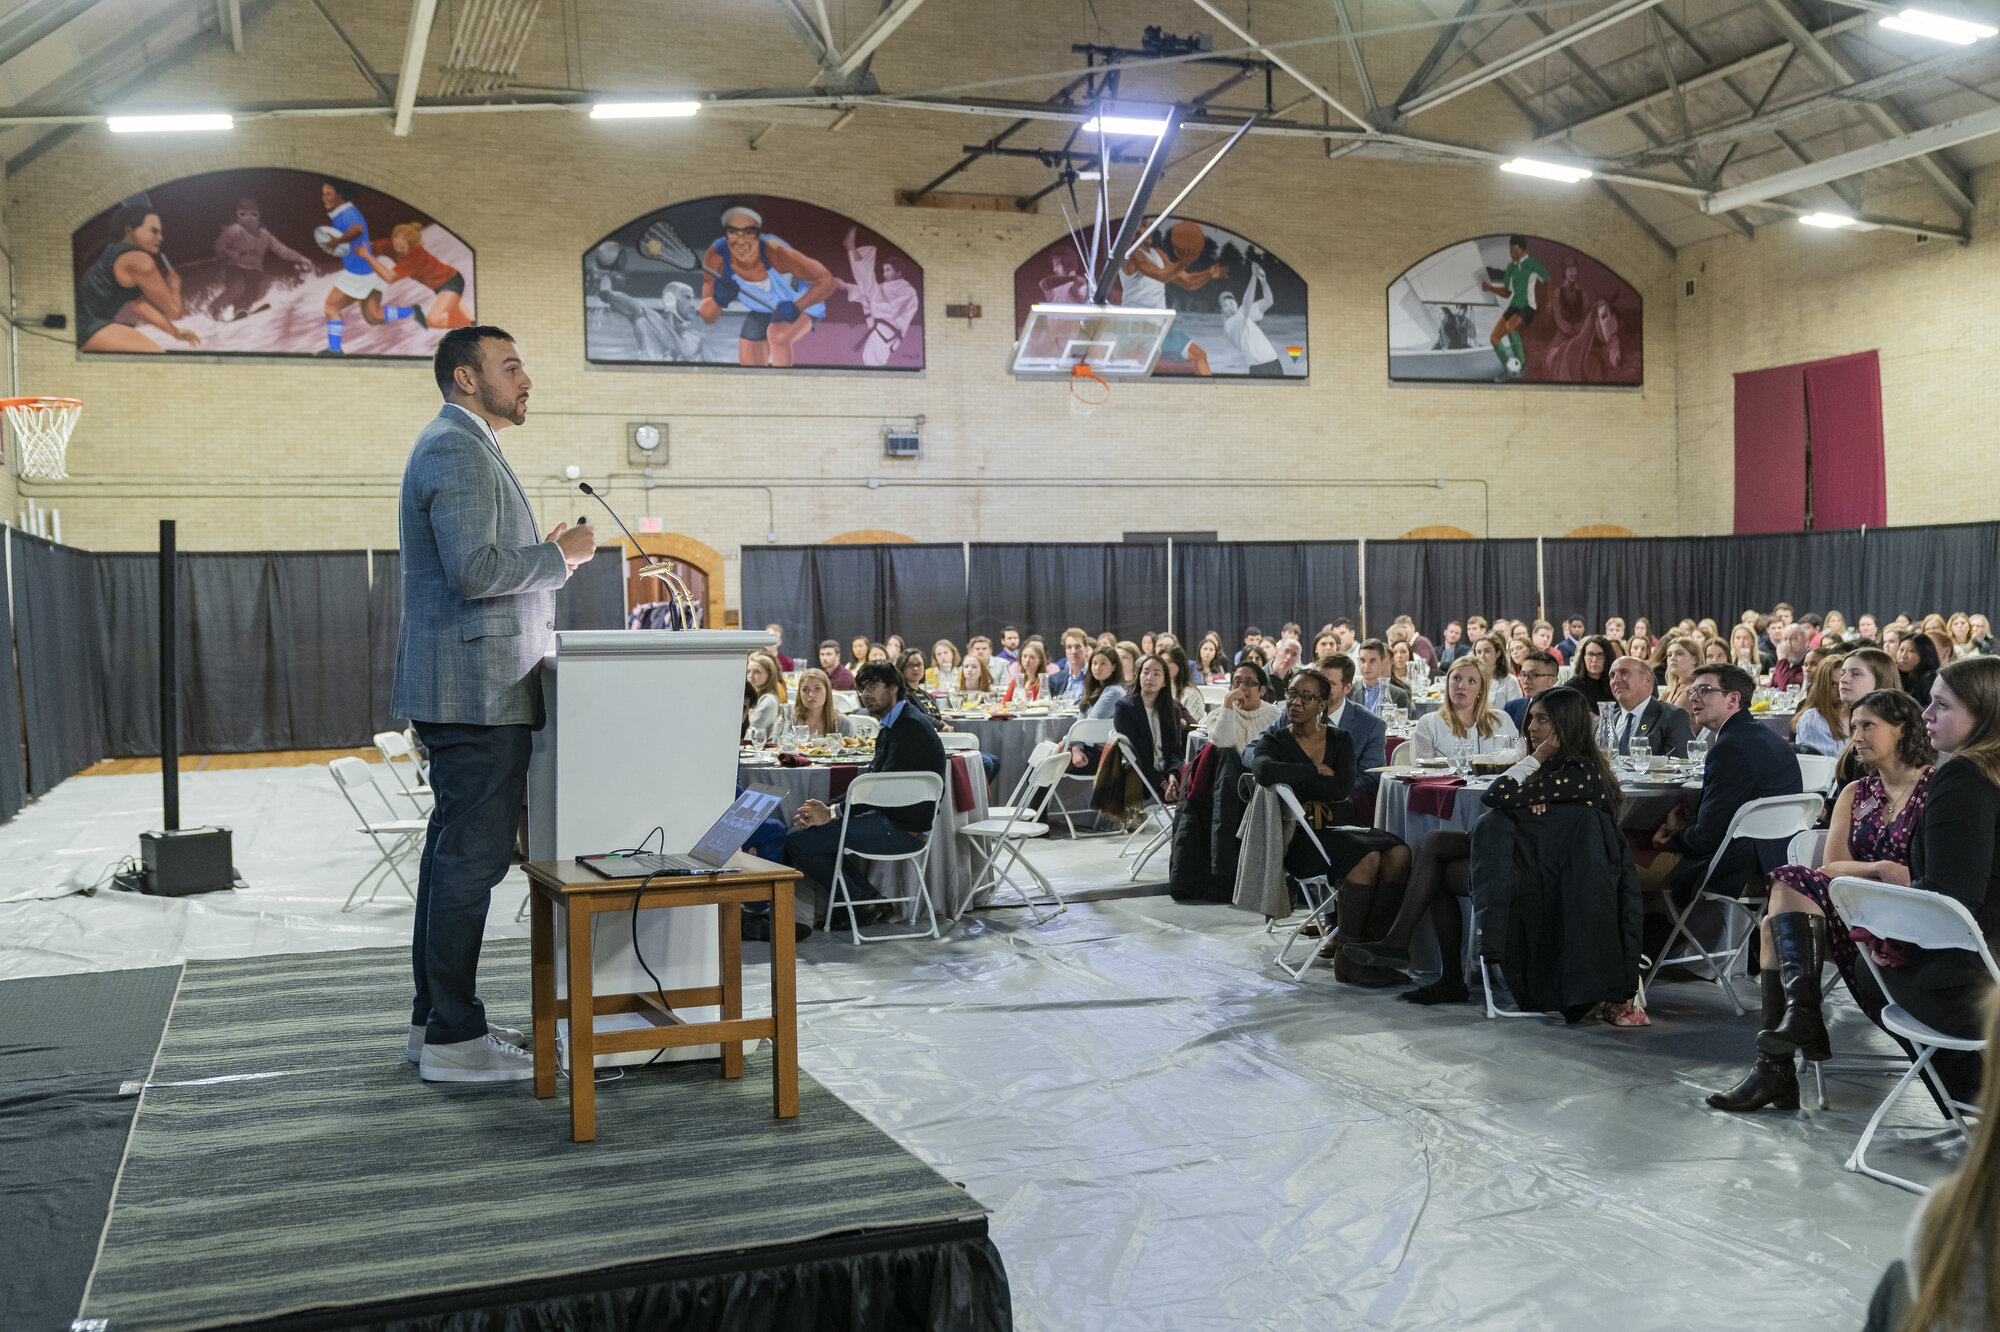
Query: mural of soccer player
[[129, 282], [357, 282], [889, 303], [1240, 320], [413, 261], [1517, 284], [1144, 280], [242, 247], [781, 290]]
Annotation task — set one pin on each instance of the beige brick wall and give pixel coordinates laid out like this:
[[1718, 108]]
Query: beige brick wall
[[295, 454]]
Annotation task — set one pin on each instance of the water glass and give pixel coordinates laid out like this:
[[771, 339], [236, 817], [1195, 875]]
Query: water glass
[[1461, 757], [1698, 754]]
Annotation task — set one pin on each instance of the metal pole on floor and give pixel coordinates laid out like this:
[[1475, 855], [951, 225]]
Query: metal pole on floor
[[170, 685]]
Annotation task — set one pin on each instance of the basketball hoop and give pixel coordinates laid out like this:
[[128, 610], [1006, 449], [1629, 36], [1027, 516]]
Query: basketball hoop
[[1087, 391], [40, 427]]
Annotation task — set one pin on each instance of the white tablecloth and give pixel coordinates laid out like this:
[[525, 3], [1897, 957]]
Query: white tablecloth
[[1644, 807]]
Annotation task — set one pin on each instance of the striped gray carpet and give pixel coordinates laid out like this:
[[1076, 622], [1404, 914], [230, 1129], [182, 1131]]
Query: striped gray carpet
[[286, 1157]]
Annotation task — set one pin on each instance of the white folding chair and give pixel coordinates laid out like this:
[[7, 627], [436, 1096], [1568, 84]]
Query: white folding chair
[[884, 790], [846, 700], [394, 746], [1213, 694], [1010, 834], [1758, 820], [1816, 772], [1318, 892], [1808, 848], [1928, 920], [864, 725], [1405, 756], [959, 742], [418, 754], [1085, 731], [1157, 811], [396, 839]]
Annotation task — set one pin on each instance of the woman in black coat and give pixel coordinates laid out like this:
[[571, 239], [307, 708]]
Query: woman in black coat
[[1156, 726], [1917, 659], [1592, 676]]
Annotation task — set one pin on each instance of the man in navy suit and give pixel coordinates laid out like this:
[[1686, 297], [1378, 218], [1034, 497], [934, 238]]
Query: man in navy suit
[[1748, 761], [1572, 638], [1371, 733], [1538, 674], [1069, 677]]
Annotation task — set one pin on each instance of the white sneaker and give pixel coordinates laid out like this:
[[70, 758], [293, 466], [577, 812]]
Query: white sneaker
[[507, 1034], [488, 1059]]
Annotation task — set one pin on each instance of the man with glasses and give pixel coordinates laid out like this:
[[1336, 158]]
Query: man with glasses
[[1643, 720], [1537, 675]]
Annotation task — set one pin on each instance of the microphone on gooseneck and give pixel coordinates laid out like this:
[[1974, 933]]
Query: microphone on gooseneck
[[677, 592]]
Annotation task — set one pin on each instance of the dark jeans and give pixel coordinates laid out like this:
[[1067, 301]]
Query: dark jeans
[[810, 850], [479, 775]]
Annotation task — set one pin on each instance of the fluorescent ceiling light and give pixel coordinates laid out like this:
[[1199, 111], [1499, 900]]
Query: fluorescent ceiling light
[[1528, 166], [1959, 32], [1126, 125], [642, 110], [1831, 221], [168, 124]]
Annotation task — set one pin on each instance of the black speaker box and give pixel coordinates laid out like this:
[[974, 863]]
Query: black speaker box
[[192, 860]]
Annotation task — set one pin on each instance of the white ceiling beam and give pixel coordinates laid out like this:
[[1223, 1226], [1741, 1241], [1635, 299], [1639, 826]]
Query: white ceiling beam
[[232, 22], [1931, 139], [422, 12], [875, 34], [1609, 16], [1265, 52]]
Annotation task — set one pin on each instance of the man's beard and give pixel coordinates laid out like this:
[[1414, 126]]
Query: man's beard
[[511, 409]]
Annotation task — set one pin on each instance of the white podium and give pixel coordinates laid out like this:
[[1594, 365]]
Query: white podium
[[642, 731]]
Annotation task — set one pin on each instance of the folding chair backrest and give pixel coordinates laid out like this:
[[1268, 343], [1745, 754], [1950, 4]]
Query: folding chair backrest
[[1297, 813], [1910, 915], [1406, 756], [890, 789], [351, 774], [1090, 731], [1042, 777], [846, 700], [864, 725], [1815, 771], [393, 744], [959, 742], [1774, 817], [1808, 848], [1213, 694]]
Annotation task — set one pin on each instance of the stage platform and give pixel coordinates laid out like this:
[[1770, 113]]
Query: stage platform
[[286, 1168]]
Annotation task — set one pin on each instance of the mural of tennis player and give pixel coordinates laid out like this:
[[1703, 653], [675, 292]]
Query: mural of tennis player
[[1517, 284], [413, 261], [1144, 279], [242, 247], [888, 304], [130, 282], [781, 290], [1240, 320], [357, 282]]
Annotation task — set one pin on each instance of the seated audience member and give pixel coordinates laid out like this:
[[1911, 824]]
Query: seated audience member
[[1476, 628], [857, 652], [1399, 664], [1790, 668], [777, 649], [1317, 761], [917, 692], [1958, 632], [1746, 761], [1538, 675], [1518, 648], [1773, 629], [944, 664], [1406, 629], [1592, 676], [1917, 659], [1370, 732], [905, 742], [1110, 640], [1326, 644], [1343, 630], [976, 675], [1564, 767], [1743, 650], [1147, 645], [1284, 660], [1869, 837], [1157, 729], [750, 697], [1253, 637], [1542, 636], [1614, 627], [1245, 713], [1490, 653], [1982, 633], [1010, 645], [1067, 682], [1821, 725], [1833, 629], [1678, 659], [829, 661], [1376, 688], [1209, 662], [877, 652], [1866, 628], [1714, 652], [813, 704], [1639, 645], [1642, 719], [1128, 662], [1451, 645], [1027, 677], [1466, 718], [762, 674], [893, 646], [1164, 641], [1101, 692], [1573, 636], [1180, 682]]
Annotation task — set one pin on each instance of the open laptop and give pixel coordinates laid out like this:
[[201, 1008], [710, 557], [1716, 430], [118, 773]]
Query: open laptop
[[710, 854]]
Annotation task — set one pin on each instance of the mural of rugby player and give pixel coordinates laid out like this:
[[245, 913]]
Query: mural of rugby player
[[357, 282], [781, 290]]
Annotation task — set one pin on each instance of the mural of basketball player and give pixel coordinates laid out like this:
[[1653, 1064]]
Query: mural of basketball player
[[1240, 320], [1068, 285], [781, 290], [888, 304], [413, 261], [1144, 281], [129, 283], [1517, 284], [242, 247], [357, 282]]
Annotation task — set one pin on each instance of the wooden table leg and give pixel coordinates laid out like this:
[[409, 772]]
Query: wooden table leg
[[542, 985], [730, 919], [582, 1026], [784, 1005]]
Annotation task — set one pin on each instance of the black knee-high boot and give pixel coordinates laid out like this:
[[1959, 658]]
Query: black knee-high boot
[[1799, 940], [1775, 1081]]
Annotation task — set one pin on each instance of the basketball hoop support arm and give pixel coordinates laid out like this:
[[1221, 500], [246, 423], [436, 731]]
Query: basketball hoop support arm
[[1130, 228], [1167, 213]]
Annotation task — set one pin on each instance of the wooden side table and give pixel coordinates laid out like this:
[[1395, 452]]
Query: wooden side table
[[566, 886]]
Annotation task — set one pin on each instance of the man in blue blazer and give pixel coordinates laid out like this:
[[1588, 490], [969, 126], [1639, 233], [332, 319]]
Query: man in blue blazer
[[479, 595], [1747, 761], [1371, 733]]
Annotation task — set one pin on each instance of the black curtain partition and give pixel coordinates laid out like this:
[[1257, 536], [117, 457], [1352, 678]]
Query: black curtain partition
[[385, 613], [594, 596], [61, 663], [13, 759], [1435, 581], [1045, 588], [1230, 586], [845, 592], [1662, 578], [1916, 570]]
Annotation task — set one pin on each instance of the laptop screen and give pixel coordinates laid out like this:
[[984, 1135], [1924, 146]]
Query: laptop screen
[[733, 829]]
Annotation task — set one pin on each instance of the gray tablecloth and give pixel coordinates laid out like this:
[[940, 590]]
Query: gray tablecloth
[[1643, 808], [1781, 722], [1011, 742], [952, 863]]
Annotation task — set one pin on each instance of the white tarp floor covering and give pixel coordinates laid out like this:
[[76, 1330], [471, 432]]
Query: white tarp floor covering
[[1172, 1134]]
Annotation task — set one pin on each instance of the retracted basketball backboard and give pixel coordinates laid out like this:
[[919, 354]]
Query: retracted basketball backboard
[[1113, 340]]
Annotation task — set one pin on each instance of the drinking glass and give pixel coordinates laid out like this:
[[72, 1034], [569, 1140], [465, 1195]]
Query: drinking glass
[[1698, 755], [1461, 756]]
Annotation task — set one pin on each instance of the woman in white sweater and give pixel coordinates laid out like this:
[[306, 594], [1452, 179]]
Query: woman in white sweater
[[1244, 714], [1468, 714]]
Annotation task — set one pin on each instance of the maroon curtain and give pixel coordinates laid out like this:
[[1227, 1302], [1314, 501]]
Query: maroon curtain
[[1771, 450], [1844, 399]]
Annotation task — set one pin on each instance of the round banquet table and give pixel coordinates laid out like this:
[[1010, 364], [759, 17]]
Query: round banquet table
[[1644, 807], [1781, 722], [953, 861], [1011, 741]]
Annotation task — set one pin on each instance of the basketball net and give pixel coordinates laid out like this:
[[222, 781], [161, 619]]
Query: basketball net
[[41, 428], [1087, 390]]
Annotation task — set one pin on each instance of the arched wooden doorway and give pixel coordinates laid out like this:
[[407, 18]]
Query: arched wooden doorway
[[696, 564]]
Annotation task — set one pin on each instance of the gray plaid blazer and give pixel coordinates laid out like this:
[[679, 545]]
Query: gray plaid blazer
[[479, 586]]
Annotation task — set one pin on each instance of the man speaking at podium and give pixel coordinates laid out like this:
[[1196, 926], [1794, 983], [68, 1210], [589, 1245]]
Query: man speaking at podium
[[479, 597]]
